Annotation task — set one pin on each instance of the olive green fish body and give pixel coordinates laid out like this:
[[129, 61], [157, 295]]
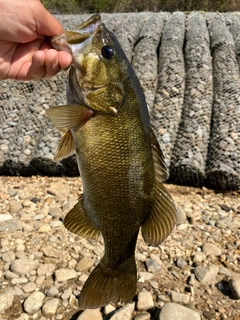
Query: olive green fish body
[[106, 122], [115, 161]]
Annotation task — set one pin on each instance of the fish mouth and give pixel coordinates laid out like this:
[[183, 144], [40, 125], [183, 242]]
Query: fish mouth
[[73, 41], [83, 34]]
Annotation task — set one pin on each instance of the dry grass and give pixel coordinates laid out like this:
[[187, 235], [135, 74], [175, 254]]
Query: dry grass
[[90, 6]]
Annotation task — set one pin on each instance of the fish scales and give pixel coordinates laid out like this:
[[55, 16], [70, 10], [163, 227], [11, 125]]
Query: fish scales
[[106, 123]]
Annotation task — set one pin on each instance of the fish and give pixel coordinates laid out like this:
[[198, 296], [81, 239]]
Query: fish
[[106, 123]]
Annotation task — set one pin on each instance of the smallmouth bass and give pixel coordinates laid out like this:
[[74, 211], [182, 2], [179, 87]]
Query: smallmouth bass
[[106, 123]]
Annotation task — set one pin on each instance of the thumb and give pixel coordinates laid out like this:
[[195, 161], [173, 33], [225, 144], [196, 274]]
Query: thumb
[[46, 24]]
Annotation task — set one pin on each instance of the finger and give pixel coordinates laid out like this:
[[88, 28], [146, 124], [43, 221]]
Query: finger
[[37, 68], [64, 59], [46, 24], [51, 63]]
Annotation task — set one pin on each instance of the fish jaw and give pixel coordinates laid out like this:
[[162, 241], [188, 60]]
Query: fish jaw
[[73, 40]]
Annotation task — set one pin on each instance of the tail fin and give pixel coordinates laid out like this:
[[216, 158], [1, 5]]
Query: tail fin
[[106, 285]]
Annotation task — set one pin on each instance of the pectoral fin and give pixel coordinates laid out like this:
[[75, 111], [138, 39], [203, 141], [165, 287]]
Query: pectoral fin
[[77, 222], [162, 217], [64, 118], [65, 147], [68, 116]]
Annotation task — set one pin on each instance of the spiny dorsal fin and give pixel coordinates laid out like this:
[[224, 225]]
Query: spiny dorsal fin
[[65, 147], [68, 116], [77, 222]]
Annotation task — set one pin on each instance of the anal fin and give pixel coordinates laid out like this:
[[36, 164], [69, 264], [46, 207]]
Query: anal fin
[[77, 222]]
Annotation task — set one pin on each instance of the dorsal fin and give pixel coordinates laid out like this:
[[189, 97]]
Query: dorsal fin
[[162, 217]]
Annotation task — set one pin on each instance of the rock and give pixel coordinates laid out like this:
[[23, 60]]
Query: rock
[[20, 248], [225, 207], [51, 292], [199, 257], [145, 276], [5, 217], [23, 316], [181, 216], [209, 248], [21, 280], [83, 277], [29, 287], [65, 274], [49, 251], [179, 297], [235, 287], [145, 301], [55, 212], [154, 284], [56, 224], [173, 311], [206, 274], [143, 316], [109, 308], [192, 280], [84, 264], [12, 192], [154, 264], [45, 228], [90, 314], [59, 190], [8, 256], [10, 275], [15, 206], [72, 301], [208, 314], [50, 307], [225, 271], [23, 266], [34, 302], [46, 268], [66, 294], [181, 263], [6, 299], [40, 280], [124, 313]]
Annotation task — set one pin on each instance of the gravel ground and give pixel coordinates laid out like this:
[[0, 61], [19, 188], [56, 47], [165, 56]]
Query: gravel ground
[[194, 274]]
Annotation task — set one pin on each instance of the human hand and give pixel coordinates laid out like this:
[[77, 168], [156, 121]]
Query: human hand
[[25, 53]]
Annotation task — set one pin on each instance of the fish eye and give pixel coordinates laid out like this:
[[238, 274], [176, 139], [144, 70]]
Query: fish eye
[[107, 52]]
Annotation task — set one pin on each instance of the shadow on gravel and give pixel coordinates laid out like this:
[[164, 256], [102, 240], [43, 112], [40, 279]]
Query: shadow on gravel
[[224, 287], [76, 315]]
